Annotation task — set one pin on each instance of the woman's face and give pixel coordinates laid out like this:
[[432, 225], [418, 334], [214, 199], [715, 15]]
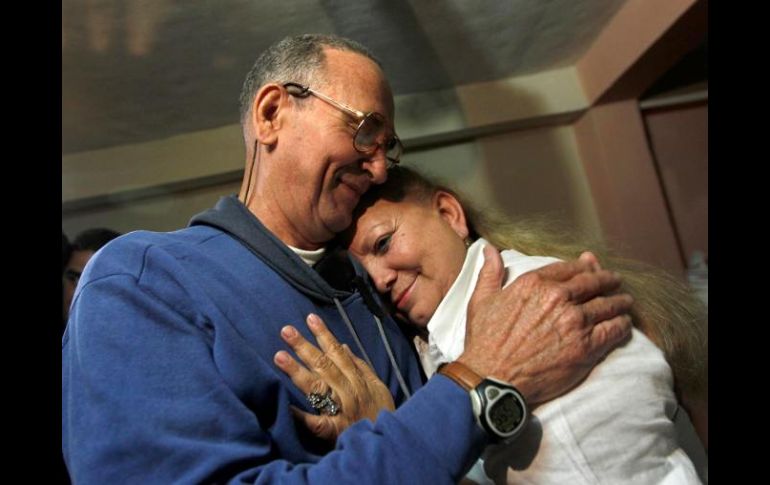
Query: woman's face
[[413, 250]]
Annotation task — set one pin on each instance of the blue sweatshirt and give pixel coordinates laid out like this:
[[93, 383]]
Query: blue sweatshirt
[[168, 374]]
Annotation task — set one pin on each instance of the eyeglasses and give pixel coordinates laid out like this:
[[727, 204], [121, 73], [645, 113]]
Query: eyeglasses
[[371, 128], [72, 275]]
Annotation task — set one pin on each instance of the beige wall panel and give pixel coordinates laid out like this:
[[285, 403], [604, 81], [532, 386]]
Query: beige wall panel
[[679, 138], [164, 213], [633, 31], [183, 157], [523, 173], [625, 184], [539, 172]]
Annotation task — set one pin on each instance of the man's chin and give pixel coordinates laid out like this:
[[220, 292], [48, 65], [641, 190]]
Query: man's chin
[[342, 216], [339, 223]]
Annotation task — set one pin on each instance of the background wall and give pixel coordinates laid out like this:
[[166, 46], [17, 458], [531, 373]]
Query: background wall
[[583, 141], [679, 140]]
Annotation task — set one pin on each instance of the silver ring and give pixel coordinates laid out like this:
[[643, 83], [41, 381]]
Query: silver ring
[[323, 403]]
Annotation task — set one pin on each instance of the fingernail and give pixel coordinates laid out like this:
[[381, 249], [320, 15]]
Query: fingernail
[[313, 321], [487, 254], [591, 259], [281, 357], [288, 332]]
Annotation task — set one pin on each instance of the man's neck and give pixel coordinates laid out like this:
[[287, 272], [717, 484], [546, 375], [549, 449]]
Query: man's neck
[[268, 205], [282, 227]]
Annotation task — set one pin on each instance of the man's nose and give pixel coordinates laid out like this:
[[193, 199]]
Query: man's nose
[[377, 165]]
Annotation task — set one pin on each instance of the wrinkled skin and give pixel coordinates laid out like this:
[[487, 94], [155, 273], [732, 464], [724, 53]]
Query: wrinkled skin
[[354, 385], [543, 334]]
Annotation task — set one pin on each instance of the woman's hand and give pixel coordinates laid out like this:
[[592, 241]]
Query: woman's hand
[[354, 386]]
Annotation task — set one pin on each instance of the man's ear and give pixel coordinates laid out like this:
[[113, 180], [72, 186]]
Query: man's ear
[[266, 113], [450, 209]]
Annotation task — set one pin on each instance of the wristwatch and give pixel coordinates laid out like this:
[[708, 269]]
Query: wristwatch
[[499, 408]]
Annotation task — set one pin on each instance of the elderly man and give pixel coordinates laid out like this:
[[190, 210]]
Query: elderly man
[[167, 363]]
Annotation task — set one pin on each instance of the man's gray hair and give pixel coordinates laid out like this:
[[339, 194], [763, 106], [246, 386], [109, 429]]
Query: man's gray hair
[[297, 59]]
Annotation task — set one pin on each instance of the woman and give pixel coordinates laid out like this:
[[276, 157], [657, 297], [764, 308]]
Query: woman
[[415, 240]]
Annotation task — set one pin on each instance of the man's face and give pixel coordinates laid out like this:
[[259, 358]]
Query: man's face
[[326, 175]]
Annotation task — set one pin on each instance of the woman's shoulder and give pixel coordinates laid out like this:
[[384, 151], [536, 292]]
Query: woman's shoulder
[[516, 263]]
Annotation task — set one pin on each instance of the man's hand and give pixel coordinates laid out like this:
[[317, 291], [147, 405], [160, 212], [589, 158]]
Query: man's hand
[[548, 329], [353, 384]]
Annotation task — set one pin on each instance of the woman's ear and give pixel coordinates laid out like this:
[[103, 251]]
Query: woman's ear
[[450, 209], [266, 113]]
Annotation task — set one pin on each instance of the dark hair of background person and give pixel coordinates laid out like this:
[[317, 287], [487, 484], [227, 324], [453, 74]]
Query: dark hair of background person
[[90, 240], [93, 239]]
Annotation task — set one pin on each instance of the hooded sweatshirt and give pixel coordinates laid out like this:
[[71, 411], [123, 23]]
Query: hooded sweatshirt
[[168, 373]]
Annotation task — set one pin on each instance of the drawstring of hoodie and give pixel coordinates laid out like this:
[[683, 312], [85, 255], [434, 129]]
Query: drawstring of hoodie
[[392, 358], [385, 341], [233, 217], [378, 313], [353, 332]]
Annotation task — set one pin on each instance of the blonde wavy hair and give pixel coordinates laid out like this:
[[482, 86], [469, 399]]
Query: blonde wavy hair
[[665, 308]]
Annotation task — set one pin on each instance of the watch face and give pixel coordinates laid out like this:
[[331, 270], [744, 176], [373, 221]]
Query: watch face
[[505, 413]]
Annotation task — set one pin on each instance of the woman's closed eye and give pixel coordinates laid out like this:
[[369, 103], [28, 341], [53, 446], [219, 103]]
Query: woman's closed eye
[[382, 244]]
